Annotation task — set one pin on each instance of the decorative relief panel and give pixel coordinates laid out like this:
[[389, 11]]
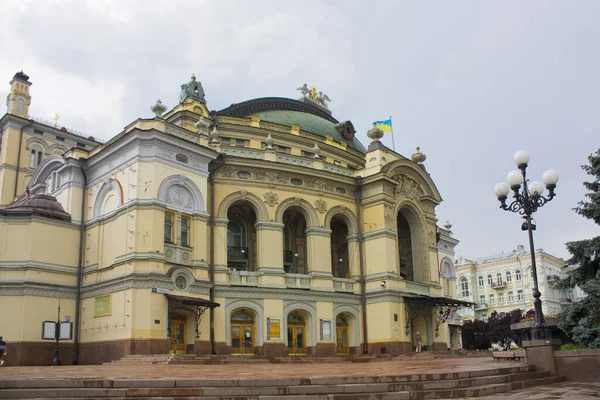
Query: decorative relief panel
[[271, 198], [407, 185], [321, 206], [179, 196], [181, 133], [272, 179]]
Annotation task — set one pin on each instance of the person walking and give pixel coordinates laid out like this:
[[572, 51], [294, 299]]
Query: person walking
[[2, 350]]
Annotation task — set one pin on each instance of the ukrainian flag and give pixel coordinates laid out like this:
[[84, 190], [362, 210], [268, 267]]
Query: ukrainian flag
[[385, 126]]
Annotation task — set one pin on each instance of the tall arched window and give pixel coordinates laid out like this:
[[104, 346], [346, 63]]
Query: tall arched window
[[518, 274], [40, 155], [21, 106], [32, 156], [490, 280], [499, 278], [235, 234], [480, 280], [508, 276], [464, 287]]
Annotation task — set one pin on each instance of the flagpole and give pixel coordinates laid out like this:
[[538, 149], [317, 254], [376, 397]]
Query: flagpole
[[391, 127]]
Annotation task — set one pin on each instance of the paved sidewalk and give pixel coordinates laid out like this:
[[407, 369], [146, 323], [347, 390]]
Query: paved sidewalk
[[257, 371], [563, 390]]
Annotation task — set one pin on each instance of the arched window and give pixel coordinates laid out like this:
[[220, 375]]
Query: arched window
[[490, 280], [518, 274], [508, 276], [480, 280], [235, 234], [499, 278], [21, 106], [464, 287], [32, 159], [40, 155]]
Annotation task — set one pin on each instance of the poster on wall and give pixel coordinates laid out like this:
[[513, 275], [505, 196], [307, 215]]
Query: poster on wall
[[48, 330], [273, 328], [102, 306], [325, 329]]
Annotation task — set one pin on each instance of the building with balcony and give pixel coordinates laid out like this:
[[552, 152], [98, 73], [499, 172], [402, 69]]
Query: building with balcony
[[504, 282], [263, 228]]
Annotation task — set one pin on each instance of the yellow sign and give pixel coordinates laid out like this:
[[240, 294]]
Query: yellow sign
[[275, 328], [102, 306]]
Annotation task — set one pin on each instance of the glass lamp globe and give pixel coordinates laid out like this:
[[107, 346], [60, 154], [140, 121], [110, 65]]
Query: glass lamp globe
[[550, 177], [536, 188], [501, 189], [514, 178], [521, 157]]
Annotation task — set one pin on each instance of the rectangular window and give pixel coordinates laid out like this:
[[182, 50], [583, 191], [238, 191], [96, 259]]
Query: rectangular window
[[60, 139], [240, 143], [492, 299], [80, 145], [283, 149], [336, 162], [482, 299], [185, 231], [511, 297], [307, 154], [169, 227], [501, 298], [520, 295]]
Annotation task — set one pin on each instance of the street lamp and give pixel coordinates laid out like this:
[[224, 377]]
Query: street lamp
[[526, 202]]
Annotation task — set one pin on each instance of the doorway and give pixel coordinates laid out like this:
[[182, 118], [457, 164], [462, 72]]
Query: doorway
[[178, 334], [341, 326], [242, 333], [296, 327]]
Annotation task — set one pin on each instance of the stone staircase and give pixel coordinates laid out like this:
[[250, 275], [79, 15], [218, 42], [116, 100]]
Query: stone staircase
[[219, 359], [418, 386]]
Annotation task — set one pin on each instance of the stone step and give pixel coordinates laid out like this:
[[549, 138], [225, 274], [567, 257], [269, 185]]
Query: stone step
[[426, 386]]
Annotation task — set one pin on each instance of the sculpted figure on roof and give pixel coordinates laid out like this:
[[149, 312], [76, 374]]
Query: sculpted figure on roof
[[192, 89]]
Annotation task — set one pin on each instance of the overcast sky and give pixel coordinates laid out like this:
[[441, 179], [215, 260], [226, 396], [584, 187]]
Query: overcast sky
[[470, 82]]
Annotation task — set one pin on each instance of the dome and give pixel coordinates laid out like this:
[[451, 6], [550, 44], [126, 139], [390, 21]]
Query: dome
[[39, 204], [309, 117]]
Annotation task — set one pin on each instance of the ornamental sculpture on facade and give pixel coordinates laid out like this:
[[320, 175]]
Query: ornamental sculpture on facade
[[192, 89]]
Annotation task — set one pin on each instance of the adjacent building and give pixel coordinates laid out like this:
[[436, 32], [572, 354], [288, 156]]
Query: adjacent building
[[263, 228], [504, 282]]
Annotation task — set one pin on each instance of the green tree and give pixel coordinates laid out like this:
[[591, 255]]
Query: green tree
[[581, 320], [499, 327]]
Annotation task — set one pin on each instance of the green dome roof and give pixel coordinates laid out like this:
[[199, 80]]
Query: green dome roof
[[310, 118]]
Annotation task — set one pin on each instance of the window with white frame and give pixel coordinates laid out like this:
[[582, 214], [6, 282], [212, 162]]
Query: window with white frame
[[501, 298], [482, 299], [508, 276], [518, 274], [480, 280], [520, 295], [499, 278], [490, 279], [464, 287], [511, 297], [492, 299]]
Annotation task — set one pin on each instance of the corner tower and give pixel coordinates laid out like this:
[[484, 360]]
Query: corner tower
[[19, 99]]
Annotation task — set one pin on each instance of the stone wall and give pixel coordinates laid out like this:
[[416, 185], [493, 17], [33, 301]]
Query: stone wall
[[578, 365]]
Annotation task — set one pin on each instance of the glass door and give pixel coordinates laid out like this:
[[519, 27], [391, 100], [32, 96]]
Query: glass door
[[242, 339], [178, 338], [296, 339], [342, 339]]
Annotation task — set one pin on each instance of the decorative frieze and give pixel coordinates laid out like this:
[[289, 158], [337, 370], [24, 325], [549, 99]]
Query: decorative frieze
[[321, 206], [271, 198]]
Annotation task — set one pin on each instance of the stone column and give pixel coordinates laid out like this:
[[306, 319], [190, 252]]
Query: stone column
[[319, 258], [220, 256], [269, 247]]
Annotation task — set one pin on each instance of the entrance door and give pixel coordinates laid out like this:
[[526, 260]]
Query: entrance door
[[296, 335], [342, 336], [242, 334], [178, 343]]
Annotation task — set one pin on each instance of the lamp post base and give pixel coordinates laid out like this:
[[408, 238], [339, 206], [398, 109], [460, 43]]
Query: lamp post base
[[56, 360]]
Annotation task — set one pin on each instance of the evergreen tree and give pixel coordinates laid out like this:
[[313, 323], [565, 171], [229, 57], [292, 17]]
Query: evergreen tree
[[581, 320]]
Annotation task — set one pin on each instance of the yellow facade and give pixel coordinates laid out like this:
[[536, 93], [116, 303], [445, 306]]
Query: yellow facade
[[264, 228]]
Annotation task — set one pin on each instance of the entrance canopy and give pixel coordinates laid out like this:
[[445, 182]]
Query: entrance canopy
[[192, 301], [444, 306]]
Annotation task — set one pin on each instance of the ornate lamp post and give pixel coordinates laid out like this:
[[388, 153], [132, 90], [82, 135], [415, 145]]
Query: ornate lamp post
[[526, 202]]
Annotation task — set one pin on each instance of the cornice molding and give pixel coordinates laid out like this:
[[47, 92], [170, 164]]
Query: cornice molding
[[379, 233], [287, 294]]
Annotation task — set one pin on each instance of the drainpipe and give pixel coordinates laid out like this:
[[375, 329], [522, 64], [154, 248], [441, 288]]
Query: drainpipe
[[213, 167], [363, 289], [19, 156], [80, 264]]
